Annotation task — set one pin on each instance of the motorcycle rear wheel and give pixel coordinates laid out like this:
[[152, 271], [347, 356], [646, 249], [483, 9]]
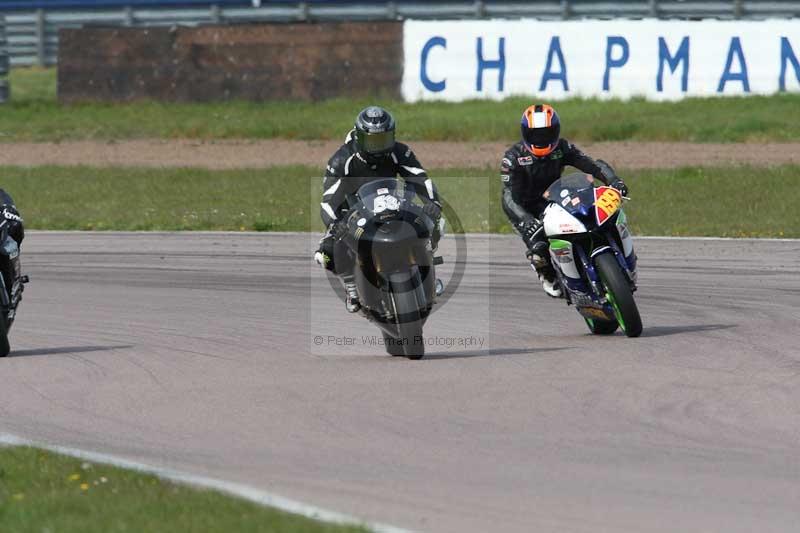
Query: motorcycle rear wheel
[[618, 291]]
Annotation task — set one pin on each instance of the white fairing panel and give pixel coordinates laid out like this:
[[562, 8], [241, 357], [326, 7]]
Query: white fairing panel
[[558, 222], [564, 260]]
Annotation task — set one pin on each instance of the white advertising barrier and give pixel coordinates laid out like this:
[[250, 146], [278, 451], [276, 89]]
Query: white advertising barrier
[[655, 59]]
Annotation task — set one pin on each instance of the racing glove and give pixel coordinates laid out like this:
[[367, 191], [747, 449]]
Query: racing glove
[[618, 184], [324, 254], [433, 209], [15, 228], [11, 214], [529, 229], [324, 258]]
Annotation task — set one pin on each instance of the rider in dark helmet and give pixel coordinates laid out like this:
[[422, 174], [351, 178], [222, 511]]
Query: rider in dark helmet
[[369, 152], [527, 170]]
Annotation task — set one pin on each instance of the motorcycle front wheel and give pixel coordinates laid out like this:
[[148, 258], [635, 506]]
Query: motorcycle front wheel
[[392, 345], [5, 346], [618, 292], [601, 327], [409, 323]]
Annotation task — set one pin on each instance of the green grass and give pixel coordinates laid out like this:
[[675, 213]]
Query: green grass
[[735, 202], [33, 84], [35, 115], [729, 202], [41, 491], [136, 199]]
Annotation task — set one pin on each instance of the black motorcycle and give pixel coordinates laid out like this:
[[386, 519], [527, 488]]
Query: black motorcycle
[[390, 238], [13, 283]]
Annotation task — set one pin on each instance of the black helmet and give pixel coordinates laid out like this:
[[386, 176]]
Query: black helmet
[[374, 131]]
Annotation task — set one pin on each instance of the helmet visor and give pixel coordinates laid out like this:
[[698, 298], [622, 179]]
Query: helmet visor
[[375, 143], [541, 137]]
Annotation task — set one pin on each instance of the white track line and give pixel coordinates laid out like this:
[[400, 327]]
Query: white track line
[[738, 239], [235, 489]]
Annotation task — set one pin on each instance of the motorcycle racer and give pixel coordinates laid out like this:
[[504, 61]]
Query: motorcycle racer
[[528, 168], [369, 152]]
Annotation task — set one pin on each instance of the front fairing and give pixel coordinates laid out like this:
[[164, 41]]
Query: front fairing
[[389, 234], [559, 221], [388, 231], [575, 195]]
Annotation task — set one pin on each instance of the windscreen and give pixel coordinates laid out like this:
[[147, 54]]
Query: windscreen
[[385, 195], [573, 184]]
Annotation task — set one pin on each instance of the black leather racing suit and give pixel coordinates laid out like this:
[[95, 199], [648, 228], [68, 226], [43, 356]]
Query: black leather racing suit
[[526, 177], [9, 213], [348, 170]]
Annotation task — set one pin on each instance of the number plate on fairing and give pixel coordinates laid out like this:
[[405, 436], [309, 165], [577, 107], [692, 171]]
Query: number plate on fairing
[[384, 203], [606, 202], [594, 312]]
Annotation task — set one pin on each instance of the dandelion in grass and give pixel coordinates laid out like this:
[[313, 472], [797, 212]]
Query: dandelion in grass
[[74, 477], [84, 486]]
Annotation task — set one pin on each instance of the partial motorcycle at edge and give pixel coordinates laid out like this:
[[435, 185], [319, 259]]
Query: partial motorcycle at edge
[[13, 283]]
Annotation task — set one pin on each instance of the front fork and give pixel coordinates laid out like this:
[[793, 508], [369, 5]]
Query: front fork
[[576, 252]]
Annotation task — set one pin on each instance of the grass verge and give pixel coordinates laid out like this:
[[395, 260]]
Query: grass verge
[[723, 202], [35, 115], [42, 491]]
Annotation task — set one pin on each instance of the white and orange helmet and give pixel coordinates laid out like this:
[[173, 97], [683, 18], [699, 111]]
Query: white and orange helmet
[[541, 129]]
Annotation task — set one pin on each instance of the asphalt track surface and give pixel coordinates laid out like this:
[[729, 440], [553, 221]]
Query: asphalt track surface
[[196, 352]]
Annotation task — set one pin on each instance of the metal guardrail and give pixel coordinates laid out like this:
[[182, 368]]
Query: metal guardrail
[[32, 36], [4, 62]]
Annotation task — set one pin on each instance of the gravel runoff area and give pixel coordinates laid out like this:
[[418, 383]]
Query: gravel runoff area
[[254, 154]]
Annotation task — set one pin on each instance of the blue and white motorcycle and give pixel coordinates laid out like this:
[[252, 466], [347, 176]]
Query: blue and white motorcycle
[[592, 252]]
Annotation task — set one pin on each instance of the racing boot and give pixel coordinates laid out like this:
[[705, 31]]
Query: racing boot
[[438, 287], [539, 258], [351, 303]]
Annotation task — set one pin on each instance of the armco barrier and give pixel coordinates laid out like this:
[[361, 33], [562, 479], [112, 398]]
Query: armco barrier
[[33, 26], [249, 62], [4, 63]]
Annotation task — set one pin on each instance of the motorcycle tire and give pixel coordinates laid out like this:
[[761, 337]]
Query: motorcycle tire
[[618, 292], [409, 322], [601, 327], [5, 346], [393, 346]]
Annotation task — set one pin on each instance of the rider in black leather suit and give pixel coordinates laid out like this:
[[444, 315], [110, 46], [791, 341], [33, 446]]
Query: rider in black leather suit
[[369, 152], [527, 170]]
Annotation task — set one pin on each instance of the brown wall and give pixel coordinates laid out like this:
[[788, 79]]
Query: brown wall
[[247, 62]]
